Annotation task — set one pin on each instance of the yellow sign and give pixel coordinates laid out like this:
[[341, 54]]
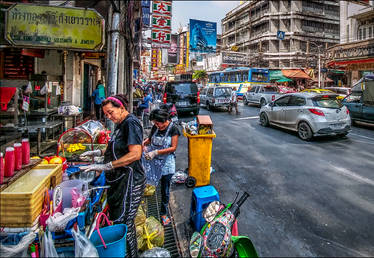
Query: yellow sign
[[54, 27]]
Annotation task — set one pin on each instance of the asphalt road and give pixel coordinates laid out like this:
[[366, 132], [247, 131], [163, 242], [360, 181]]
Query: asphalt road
[[307, 198]]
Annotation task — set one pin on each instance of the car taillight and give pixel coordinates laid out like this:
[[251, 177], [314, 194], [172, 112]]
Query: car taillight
[[198, 97], [164, 98], [273, 98], [347, 111], [316, 112]]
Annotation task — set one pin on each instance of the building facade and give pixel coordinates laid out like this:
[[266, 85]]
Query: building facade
[[255, 27]]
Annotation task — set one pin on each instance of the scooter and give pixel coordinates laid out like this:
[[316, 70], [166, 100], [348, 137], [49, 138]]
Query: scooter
[[215, 238]]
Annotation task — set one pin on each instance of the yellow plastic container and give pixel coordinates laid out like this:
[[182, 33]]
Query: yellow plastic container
[[200, 157], [22, 201]]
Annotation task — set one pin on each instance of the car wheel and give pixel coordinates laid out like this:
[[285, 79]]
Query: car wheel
[[342, 134], [304, 131], [208, 107], [264, 120], [262, 102], [245, 101]]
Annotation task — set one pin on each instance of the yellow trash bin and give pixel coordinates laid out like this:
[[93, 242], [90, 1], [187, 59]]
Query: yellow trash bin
[[199, 157]]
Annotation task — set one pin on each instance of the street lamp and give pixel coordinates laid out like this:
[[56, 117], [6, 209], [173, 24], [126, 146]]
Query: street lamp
[[319, 64]]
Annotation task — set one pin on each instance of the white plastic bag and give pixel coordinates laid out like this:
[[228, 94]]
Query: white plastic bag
[[58, 222], [156, 252], [49, 246], [179, 177], [83, 247], [28, 89], [44, 89], [19, 250]]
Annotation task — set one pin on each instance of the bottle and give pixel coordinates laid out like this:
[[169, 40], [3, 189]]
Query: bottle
[[17, 156], [9, 162], [25, 151]]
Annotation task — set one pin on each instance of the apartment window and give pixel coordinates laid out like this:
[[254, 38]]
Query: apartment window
[[364, 33], [370, 32]]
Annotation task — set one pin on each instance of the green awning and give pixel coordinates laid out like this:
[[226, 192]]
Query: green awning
[[285, 79], [277, 75]]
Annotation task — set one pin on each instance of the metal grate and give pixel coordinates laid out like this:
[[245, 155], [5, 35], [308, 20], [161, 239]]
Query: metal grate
[[170, 242]]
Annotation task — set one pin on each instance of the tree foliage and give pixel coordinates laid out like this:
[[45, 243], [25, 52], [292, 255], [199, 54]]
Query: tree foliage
[[200, 75]]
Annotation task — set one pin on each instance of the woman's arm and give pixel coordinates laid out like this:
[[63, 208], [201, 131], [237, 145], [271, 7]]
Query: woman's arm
[[135, 153], [173, 148]]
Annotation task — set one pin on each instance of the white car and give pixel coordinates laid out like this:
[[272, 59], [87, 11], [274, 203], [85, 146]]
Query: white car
[[261, 95], [309, 114]]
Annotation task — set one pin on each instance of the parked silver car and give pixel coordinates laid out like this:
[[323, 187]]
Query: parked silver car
[[261, 95], [309, 114]]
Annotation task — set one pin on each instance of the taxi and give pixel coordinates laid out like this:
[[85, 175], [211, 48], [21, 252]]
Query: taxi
[[322, 91]]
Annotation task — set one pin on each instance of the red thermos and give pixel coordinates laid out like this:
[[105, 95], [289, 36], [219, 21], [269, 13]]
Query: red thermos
[[25, 151], [17, 156], [9, 162]]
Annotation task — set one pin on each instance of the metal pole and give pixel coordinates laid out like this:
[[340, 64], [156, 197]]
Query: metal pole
[[113, 62], [319, 68]]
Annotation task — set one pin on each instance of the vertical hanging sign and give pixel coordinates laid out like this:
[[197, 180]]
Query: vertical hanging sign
[[161, 23]]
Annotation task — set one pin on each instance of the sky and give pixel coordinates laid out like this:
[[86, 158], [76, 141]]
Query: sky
[[213, 11]]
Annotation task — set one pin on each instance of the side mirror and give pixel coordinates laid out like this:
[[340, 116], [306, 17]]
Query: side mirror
[[271, 104]]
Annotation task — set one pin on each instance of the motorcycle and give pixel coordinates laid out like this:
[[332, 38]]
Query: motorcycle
[[215, 238]]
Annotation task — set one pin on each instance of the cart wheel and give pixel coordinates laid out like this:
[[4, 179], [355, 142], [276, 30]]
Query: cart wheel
[[190, 182]]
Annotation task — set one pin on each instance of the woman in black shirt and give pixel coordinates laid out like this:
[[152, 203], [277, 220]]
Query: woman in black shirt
[[123, 170]]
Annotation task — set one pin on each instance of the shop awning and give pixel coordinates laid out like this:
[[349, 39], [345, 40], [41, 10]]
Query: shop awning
[[295, 74], [348, 62], [277, 75]]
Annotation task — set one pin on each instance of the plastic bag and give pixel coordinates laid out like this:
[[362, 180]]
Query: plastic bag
[[153, 234], [44, 89], [28, 89], [156, 252], [179, 177], [140, 217], [83, 247], [77, 199], [149, 190], [49, 249], [58, 222], [19, 250]]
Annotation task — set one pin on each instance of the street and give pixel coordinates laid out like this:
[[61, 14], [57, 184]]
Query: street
[[306, 198]]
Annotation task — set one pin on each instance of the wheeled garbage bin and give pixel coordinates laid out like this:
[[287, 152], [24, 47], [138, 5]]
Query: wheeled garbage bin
[[199, 159]]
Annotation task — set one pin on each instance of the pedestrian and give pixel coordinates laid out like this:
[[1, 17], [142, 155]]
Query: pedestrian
[[99, 96], [234, 101], [122, 165], [159, 162], [145, 104]]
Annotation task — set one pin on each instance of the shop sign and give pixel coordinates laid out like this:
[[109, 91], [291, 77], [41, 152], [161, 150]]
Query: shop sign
[[154, 59], [54, 27], [234, 58], [161, 7], [93, 55], [161, 22], [161, 37]]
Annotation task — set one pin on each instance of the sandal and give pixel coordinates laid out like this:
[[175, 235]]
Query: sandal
[[165, 220]]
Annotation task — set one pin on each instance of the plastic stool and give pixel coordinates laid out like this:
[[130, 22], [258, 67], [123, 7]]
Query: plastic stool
[[201, 197]]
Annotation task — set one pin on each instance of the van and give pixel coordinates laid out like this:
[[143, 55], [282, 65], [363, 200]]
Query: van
[[215, 97], [184, 94]]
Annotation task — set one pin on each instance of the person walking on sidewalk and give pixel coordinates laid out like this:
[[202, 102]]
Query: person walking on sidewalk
[[122, 165], [234, 101], [99, 96], [159, 162]]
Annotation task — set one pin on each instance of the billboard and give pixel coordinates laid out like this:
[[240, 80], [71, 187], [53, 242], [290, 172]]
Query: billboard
[[173, 50], [203, 36]]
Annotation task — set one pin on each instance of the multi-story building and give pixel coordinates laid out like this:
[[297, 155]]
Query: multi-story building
[[355, 53], [253, 27]]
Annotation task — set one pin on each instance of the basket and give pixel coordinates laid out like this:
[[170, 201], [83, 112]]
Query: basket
[[21, 202], [109, 241]]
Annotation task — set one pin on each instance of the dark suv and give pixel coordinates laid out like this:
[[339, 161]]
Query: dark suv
[[185, 96]]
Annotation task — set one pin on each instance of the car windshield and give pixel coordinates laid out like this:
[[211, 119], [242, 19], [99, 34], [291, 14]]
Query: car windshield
[[185, 88], [270, 89], [223, 92], [327, 102]]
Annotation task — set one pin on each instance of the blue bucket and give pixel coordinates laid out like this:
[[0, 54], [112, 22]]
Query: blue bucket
[[114, 238]]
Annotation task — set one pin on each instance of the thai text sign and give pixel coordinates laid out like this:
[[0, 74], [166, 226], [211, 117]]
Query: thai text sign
[[234, 58], [54, 27]]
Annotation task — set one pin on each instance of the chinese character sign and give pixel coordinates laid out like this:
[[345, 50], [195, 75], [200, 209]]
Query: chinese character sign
[[154, 59], [161, 23]]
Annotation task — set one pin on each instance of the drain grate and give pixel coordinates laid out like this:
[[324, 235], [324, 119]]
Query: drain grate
[[170, 242]]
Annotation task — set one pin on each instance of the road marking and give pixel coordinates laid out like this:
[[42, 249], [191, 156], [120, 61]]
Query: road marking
[[362, 136], [247, 118], [348, 173]]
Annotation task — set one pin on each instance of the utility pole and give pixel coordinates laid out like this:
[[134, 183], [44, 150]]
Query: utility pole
[[319, 63]]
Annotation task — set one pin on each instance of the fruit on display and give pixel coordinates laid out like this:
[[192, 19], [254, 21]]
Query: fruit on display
[[55, 160], [75, 147], [44, 161]]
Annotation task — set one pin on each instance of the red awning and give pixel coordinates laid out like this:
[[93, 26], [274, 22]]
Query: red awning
[[295, 74], [347, 62]]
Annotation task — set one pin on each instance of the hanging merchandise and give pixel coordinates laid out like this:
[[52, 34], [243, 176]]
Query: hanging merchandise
[[28, 89], [50, 84], [44, 89], [58, 89], [25, 103]]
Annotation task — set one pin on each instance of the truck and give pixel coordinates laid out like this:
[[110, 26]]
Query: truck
[[261, 95], [360, 102]]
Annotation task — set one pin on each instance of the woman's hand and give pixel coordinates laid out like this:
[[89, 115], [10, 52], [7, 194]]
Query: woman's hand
[[94, 153], [150, 155], [97, 167]]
